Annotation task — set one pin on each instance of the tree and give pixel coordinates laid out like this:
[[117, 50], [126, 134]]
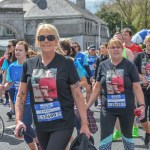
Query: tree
[[133, 13]]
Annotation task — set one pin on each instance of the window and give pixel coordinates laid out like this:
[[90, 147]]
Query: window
[[29, 28]]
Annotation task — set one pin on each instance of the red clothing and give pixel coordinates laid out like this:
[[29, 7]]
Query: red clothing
[[48, 88], [135, 49], [117, 80]]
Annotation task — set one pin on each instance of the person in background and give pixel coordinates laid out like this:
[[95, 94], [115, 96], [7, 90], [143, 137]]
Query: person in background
[[11, 92], [14, 72], [83, 59], [68, 50], [142, 61], [57, 124], [103, 55], [92, 58], [127, 36], [120, 105]]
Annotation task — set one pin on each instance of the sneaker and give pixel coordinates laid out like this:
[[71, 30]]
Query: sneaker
[[6, 103], [9, 115], [116, 135], [135, 132], [147, 138]]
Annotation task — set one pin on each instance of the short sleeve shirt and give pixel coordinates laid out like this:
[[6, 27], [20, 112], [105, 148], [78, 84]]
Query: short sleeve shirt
[[57, 76], [127, 74], [13, 75], [142, 61]]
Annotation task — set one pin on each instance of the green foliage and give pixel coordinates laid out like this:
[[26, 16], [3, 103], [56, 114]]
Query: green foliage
[[125, 13]]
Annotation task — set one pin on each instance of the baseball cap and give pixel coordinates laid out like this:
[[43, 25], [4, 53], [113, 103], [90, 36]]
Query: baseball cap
[[92, 47]]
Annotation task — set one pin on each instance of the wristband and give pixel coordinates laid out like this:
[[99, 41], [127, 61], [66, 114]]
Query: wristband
[[142, 105]]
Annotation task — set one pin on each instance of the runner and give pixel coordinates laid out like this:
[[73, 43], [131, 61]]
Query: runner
[[13, 77], [119, 105], [54, 120], [142, 61]]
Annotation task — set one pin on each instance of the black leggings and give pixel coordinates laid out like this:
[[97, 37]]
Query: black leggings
[[56, 140], [147, 104], [107, 122]]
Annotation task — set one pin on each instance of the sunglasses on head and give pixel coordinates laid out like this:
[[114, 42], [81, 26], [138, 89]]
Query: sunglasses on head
[[49, 37]]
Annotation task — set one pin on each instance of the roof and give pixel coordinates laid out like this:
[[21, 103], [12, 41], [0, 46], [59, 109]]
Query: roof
[[38, 9]]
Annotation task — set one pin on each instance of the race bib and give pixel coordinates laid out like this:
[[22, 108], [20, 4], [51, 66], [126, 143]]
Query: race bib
[[116, 101], [48, 111]]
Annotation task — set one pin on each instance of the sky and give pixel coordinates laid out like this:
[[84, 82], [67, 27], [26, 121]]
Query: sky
[[91, 5]]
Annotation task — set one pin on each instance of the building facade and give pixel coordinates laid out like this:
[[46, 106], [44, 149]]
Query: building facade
[[20, 18]]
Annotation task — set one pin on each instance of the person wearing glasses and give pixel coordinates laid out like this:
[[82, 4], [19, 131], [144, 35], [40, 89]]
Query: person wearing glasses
[[120, 105], [54, 120]]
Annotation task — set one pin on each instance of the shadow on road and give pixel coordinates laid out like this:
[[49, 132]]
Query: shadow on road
[[142, 146], [8, 137]]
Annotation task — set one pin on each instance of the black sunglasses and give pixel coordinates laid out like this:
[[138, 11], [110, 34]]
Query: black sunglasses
[[49, 38]]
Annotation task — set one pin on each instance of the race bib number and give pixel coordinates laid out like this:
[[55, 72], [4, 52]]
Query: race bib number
[[48, 111], [116, 101]]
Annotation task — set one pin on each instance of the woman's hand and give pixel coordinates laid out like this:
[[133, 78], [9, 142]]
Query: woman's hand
[[144, 81], [85, 129], [19, 125], [142, 111]]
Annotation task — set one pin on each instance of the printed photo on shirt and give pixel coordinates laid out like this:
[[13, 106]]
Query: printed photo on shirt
[[115, 81], [44, 85], [145, 68]]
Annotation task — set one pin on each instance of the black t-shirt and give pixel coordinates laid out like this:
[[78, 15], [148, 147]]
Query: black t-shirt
[[48, 84], [117, 80], [98, 61], [142, 61]]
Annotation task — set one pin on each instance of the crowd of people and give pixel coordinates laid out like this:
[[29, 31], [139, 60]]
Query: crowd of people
[[46, 89]]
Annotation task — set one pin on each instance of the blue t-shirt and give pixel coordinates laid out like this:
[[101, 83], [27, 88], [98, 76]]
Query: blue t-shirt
[[81, 71], [5, 64], [83, 59], [14, 72], [92, 63]]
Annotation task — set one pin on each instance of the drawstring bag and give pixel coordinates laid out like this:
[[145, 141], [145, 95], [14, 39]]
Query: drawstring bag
[[92, 122], [81, 142]]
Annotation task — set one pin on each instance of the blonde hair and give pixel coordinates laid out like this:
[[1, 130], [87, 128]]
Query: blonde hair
[[47, 27], [147, 39], [53, 30], [115, 41]]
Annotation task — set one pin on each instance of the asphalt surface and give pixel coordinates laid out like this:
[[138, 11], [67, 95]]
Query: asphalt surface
[[9, 142]]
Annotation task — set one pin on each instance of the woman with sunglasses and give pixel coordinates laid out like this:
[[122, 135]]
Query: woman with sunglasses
[[54, 119], [123, 74]]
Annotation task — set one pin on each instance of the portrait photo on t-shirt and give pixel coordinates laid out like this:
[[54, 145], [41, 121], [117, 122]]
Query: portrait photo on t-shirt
[[44, 85], [115, 81]]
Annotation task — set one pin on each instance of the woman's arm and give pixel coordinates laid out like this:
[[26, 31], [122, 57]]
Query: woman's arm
[[83, 82], [139, 96], [20, 105], [79, 101], [95, 93]]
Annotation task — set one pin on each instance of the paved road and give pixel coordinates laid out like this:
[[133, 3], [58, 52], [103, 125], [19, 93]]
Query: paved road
[[9, 142]]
